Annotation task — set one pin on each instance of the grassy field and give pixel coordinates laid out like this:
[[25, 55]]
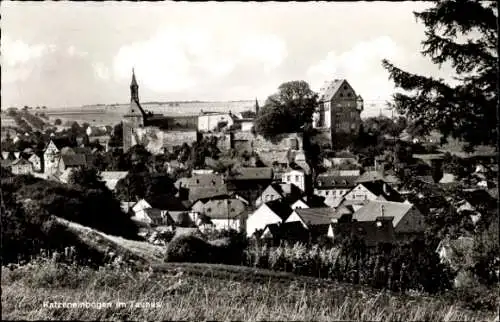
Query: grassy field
[[201, 292]]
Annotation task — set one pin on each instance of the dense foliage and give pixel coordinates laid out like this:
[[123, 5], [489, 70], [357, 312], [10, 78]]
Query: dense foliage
[[465, 34], [286, 111]]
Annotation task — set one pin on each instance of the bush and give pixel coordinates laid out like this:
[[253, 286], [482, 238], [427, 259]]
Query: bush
[[188, 248]]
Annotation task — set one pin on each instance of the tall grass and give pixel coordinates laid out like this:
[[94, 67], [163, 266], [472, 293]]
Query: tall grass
[[181, 295]]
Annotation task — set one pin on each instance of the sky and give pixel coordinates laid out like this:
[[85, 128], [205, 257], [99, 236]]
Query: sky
[[66, 53]]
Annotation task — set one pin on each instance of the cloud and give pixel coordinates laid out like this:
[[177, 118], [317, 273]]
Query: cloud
[[361, 66], [177, 59]]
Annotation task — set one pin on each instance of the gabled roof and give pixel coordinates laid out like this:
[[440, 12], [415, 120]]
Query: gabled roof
[[374, 209], [380, 188], [62, 142], [242, 173], [73, 160], [201, 180], [21, 161], [333, 181], [287, 191], [316, 216], [280, 207], [329, 89], [224, 208]]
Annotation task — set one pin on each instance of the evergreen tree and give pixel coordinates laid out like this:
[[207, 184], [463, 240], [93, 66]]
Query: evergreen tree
[[463, 33]]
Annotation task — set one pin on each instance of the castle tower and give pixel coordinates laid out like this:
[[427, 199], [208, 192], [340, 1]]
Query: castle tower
[[134, 117]]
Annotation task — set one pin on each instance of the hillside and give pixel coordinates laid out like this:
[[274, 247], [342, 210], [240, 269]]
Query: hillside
[[143, 252]]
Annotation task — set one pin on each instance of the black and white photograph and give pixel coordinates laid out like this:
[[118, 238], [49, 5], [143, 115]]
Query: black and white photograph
[[249, 161]]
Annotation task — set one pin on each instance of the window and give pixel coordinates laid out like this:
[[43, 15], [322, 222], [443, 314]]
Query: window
[[287, 178], [326, 193], [349, 94], [296, 178], [341, 95]]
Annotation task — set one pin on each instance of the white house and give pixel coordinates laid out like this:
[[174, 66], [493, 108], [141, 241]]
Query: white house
[[333, 188], [299, 204], [210, 121], [376, 190], [111, 178], [297, 177], [273, 212], [246, 125], [51, 157], [139, 208], [21, 166], [277, 191], [36, 161]]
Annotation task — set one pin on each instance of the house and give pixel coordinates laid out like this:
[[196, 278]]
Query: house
[[21, 166], [158, 212], [371, 233], [249, 182], [333, 188], [36, 161], [211, 121], [339, 109], [447, 178], [111, 178], [52, 154], [271, 212], [373, 190], [275, 191], [311, 217], [201, 186], [407, 220], [72, 161], [299, 204], [296, 177], [245, 123], [223, 213]]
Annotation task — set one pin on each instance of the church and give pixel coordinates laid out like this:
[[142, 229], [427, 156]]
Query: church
[[155, 132]]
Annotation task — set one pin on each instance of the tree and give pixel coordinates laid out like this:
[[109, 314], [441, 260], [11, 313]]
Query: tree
[[88, 178], [117, 135], [57, 122], [466, 111], [288, 110]]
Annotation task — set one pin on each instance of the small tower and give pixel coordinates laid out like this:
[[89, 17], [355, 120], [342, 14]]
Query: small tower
[[256, 106], [134, 117]]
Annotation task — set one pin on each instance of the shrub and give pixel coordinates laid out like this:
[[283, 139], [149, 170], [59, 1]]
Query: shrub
[[188, 248]]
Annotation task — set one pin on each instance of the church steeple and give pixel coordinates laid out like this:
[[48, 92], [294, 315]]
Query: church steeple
[[134, 88]]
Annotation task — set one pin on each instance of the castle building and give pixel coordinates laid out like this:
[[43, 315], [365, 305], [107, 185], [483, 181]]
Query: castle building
[[339, 109]]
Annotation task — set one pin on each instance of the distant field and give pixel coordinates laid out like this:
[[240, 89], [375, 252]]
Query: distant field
[[112, 114]]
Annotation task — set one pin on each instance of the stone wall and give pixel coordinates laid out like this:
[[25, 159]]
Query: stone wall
[[156, 140]]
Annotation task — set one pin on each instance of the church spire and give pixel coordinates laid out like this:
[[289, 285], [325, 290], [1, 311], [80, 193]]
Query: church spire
[[134, 88]]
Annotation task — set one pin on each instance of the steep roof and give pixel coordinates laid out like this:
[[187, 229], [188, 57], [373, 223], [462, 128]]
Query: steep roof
[[287, 191], [280, 207], [21, 161], [200, 180], [334, 181], [62, 142], [316, 216], [224, 208], [329, 89], [383, 189], [374, 209], [242, 173]]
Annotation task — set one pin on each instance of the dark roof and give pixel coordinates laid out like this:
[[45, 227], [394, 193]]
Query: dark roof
[[333, 181], [201, 180], [251, 174], [72, 160], [369, 176], [316, 216], [383, 189], [224, 208], [478, 198], [167, 203], [288, 191], [62, 142], [280, 207], [197, 193]]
